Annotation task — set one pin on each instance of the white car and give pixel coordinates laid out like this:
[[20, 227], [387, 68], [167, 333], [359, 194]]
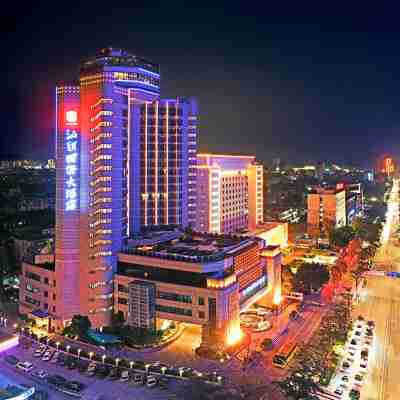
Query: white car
[[40, 374], [39, 351], [124, 376], [25, 366], [151, 381], [47, 355]]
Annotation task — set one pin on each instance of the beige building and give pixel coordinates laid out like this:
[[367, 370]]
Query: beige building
[[326, 210], [229, 193]]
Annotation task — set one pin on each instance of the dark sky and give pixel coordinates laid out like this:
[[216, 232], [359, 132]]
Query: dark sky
[[293, 83]]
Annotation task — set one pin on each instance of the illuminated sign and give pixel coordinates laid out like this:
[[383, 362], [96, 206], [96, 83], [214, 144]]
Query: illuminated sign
[[71, 159], [71, 117]]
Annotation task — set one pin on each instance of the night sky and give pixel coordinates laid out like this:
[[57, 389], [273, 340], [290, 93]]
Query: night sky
[[292, 83]]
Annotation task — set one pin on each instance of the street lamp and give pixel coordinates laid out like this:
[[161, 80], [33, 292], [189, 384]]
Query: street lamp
[[163, 369], [131, 364], [57, 345], [67, 348], [47, 341], [91, 355], [79, 353], [103, 357], [147, 367], [180, 372], [117, 360]]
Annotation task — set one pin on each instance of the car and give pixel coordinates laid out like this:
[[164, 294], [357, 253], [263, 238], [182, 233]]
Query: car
[[114, 374], [344, 386], [82, 366], [91, 370], [358, 333], [345, 378], [74, 386], [102, 371], [12, 360], [354, 342], [364, 354], [350, 360], [346, 364], [354, 394], [151, 381], [56, 380], [363, 365], [358, 377], [47, 355], [138, 379], [40, 351], [339, 391], [41, 374], [369, 332], [352, 353], [371, 324], [124, 376], [24, 366], [72, 364]]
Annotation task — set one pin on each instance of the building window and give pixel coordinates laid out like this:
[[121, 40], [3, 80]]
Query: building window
[[122, 300], [46, 281], [174, 297], [123, 289], [54, 309], [46, 293], [46, 306], [202, 314], [33, 276], [174, 310], [201, 301], [54, 296]]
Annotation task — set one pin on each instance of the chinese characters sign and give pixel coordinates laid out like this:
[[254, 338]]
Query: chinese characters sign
[[71, 159]]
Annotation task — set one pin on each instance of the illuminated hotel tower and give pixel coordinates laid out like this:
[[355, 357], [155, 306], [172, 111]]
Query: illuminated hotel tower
[[136, 167]]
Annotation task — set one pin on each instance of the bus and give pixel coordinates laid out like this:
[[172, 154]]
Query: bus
[[283, 356]]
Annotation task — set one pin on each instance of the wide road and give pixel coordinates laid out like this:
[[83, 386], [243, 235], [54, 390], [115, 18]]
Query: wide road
[[380, 301]]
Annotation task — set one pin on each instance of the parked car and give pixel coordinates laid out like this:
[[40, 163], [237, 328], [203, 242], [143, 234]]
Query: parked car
[[345, 378], [138, 379], [24, 366], [47, 355], [91, 369], [40, 351], [124, 376], [151, 381], [354, 394], [12, 360], [41, 374], [56, 380], [339, 391], [114, 374]]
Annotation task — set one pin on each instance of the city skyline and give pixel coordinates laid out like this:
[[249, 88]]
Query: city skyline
[[304, 91]]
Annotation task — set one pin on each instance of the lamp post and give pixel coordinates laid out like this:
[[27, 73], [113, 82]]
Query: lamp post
[[79, 353], [117, 360], [131, 364], [57, 345], [147, 368], [103, 358], [163, 369], [91, 355], [67, 348]]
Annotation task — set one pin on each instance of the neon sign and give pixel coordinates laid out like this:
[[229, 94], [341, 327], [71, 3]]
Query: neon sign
[[71, 160]]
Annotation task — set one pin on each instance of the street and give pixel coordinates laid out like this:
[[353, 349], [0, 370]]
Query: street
[[380, 301]]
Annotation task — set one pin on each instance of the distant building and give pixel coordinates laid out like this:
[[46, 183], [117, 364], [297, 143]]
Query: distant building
[[273, 233], [229, 193], [326, 210]]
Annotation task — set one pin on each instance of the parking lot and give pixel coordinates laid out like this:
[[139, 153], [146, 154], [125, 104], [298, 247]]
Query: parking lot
[[62, 377], [352, 372]]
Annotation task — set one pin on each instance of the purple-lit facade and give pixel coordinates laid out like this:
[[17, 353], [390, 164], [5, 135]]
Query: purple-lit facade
[[134, 167]]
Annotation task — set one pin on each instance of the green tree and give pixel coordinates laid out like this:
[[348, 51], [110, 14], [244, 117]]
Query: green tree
[[310, 277], [80, 325], [341, 237]]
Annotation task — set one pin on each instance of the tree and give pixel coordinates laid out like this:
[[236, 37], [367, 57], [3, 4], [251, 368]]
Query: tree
[[287, 278], [117, 319], [310, 277], [341, 237], [80, 325], [267, 344]]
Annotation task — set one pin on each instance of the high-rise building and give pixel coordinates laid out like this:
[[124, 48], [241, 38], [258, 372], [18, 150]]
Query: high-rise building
[[230, 193], [125, 161]]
